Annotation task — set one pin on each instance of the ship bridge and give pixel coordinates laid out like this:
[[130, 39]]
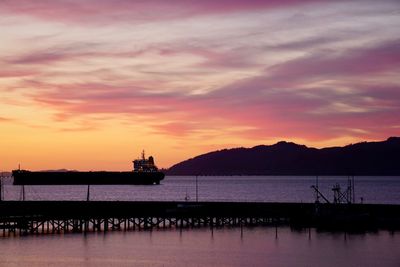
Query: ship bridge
[[144, 165]]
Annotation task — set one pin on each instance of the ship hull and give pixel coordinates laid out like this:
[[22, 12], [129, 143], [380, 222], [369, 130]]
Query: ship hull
[[22, 177]]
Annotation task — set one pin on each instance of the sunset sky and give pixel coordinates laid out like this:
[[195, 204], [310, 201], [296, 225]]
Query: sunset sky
[[88, 84]]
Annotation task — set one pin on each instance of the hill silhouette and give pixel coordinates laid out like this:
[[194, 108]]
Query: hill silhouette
[[286, 158]]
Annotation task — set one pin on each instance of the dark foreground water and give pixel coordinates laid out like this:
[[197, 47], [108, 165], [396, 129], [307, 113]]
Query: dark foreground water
[[202, 247], [384, 190]]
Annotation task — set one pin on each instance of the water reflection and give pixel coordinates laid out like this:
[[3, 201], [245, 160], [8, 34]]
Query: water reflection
[[258, 246]]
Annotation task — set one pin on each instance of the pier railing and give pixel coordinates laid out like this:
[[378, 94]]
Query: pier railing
[[41, 217]]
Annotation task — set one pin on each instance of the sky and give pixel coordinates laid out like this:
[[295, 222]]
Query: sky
[[88, 84]]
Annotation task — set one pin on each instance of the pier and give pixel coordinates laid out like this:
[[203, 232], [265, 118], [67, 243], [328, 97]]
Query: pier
[[56, 217]]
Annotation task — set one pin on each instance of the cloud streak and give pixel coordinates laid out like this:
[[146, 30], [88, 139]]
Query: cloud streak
[[328, 64], [101, 11]]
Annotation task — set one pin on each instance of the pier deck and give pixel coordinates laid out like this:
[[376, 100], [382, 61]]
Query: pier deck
[[40, 217]]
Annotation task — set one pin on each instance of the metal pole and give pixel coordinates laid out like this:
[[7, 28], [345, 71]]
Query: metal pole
[[197, 190], [350, 190], [23, 192], [317, 183], [88, 193], [354, 193]]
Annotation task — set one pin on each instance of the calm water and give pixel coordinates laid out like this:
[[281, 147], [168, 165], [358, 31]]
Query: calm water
[[257, 246], [212, 188], [203, 247]]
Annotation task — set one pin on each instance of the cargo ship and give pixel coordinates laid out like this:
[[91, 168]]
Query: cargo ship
[[144, 172]]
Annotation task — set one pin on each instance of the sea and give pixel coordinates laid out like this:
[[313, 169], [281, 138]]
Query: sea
[[227, 246], [367, 189]]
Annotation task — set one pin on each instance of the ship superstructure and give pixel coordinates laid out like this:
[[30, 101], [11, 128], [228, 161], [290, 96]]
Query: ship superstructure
[[144, 165]]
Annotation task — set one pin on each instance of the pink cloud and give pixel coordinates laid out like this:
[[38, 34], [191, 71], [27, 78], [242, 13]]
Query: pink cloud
[[328, 64], [73, 100], [279, 102], [40, 58], [177, 129], [55, 55], [104, 11], [4, 73], [272, 105]]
